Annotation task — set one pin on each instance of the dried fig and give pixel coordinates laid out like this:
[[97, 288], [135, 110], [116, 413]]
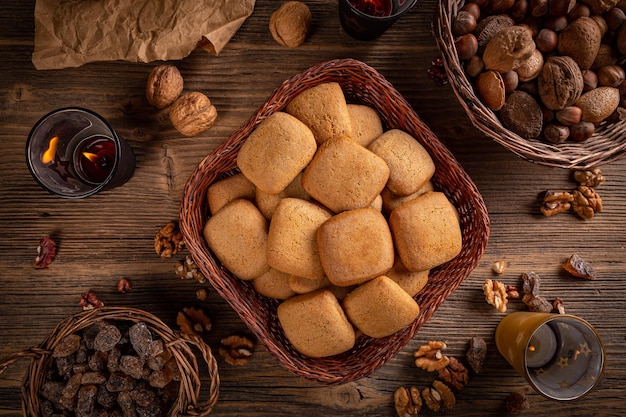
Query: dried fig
[[192, 113]]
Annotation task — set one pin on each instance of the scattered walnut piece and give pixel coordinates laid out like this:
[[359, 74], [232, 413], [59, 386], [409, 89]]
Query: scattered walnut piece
[[455, 375], [236, 350], [499, 267], [587, 202], [516, 402], [89, 301], [290, 24], [407, 401], [429, 357], [555, 202], [512, 291], [589, 178], [495, 294], [476, 354], [532, 299], [193, 321], [123, 285], [46, 251], [579, 268], [438, 395], [202, 294], [188, 269], [169, 240]]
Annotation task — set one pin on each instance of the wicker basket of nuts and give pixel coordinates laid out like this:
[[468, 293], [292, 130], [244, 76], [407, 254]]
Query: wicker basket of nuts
[[114, 360], [544, 78], [275, 319]]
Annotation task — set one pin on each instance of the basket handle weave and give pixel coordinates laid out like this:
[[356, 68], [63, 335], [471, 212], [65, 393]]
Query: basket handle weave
[[203, 409], [34, 352]]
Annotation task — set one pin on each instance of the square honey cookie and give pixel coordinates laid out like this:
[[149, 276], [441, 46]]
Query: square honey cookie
[[276, 151], [366, 123], [324, 110], [410, 164], [316, 325], [426, 231], [228, 189], [344, 175], [355, 246]]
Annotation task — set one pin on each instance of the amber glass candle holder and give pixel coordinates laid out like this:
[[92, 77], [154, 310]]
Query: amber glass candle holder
[[368, 19], [561, 356], [74, 153]]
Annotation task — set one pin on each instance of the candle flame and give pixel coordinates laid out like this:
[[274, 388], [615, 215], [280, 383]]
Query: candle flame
[[48, 155], [91, 156], [532, 348]]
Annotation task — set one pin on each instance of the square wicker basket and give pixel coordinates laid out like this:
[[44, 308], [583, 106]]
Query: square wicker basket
[[607, 144], [188, 402], [363, 85]]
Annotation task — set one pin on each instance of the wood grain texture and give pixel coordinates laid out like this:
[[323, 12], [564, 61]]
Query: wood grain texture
[[110, 235]]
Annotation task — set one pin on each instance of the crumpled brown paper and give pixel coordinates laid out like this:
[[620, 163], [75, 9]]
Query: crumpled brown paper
[[70, 33]]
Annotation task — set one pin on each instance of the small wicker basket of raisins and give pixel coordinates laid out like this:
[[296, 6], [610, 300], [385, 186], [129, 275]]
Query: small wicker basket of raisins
[[555, 96], [115, 361]]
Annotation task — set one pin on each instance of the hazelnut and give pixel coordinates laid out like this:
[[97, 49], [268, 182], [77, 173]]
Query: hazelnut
[[192, 113], [511, 81], [555, 23], [500, 6], [466, 46], [290, 24], [561, 7], [582, 131], [555, 133], [538, 8], [569, 116], [473, 9], [464, 22], [590, 80], [546, 40], [614, 18], [580, 10], [519, 10], [611, 75], [474, 66], [164, 85]]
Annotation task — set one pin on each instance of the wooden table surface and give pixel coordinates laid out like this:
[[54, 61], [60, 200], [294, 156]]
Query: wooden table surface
[[110, 235]]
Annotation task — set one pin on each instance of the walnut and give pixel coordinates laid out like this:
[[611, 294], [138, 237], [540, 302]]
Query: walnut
[[168, 240], [236, 350], [165, 83], [438, 395], [429, 357], [407, 401], [202, 294], [455, 375], [46, 252], [193, 321], [586, 202], [496, 294], [579, 268], [589, 178], [499, 267], [192, 114], [188, 269], [555, 202], [560, 82], [290, 24], [476, 354]]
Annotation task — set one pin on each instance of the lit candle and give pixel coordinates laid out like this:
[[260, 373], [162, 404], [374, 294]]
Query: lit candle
[[541, 347], [94, 159]]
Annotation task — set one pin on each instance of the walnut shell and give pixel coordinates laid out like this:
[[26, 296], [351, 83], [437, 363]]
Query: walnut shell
[[522, 114], [509, 48], [165, 83], [581, 40], [598, 104], [560, 82], [192, 113], [290, 24]]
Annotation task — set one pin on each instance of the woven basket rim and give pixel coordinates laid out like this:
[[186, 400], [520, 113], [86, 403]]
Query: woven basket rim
[[608, 143], [188, 402], [361, 84]]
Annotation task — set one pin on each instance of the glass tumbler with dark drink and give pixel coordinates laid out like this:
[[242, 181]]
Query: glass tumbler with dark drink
[[74, 153], [368, 19]]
